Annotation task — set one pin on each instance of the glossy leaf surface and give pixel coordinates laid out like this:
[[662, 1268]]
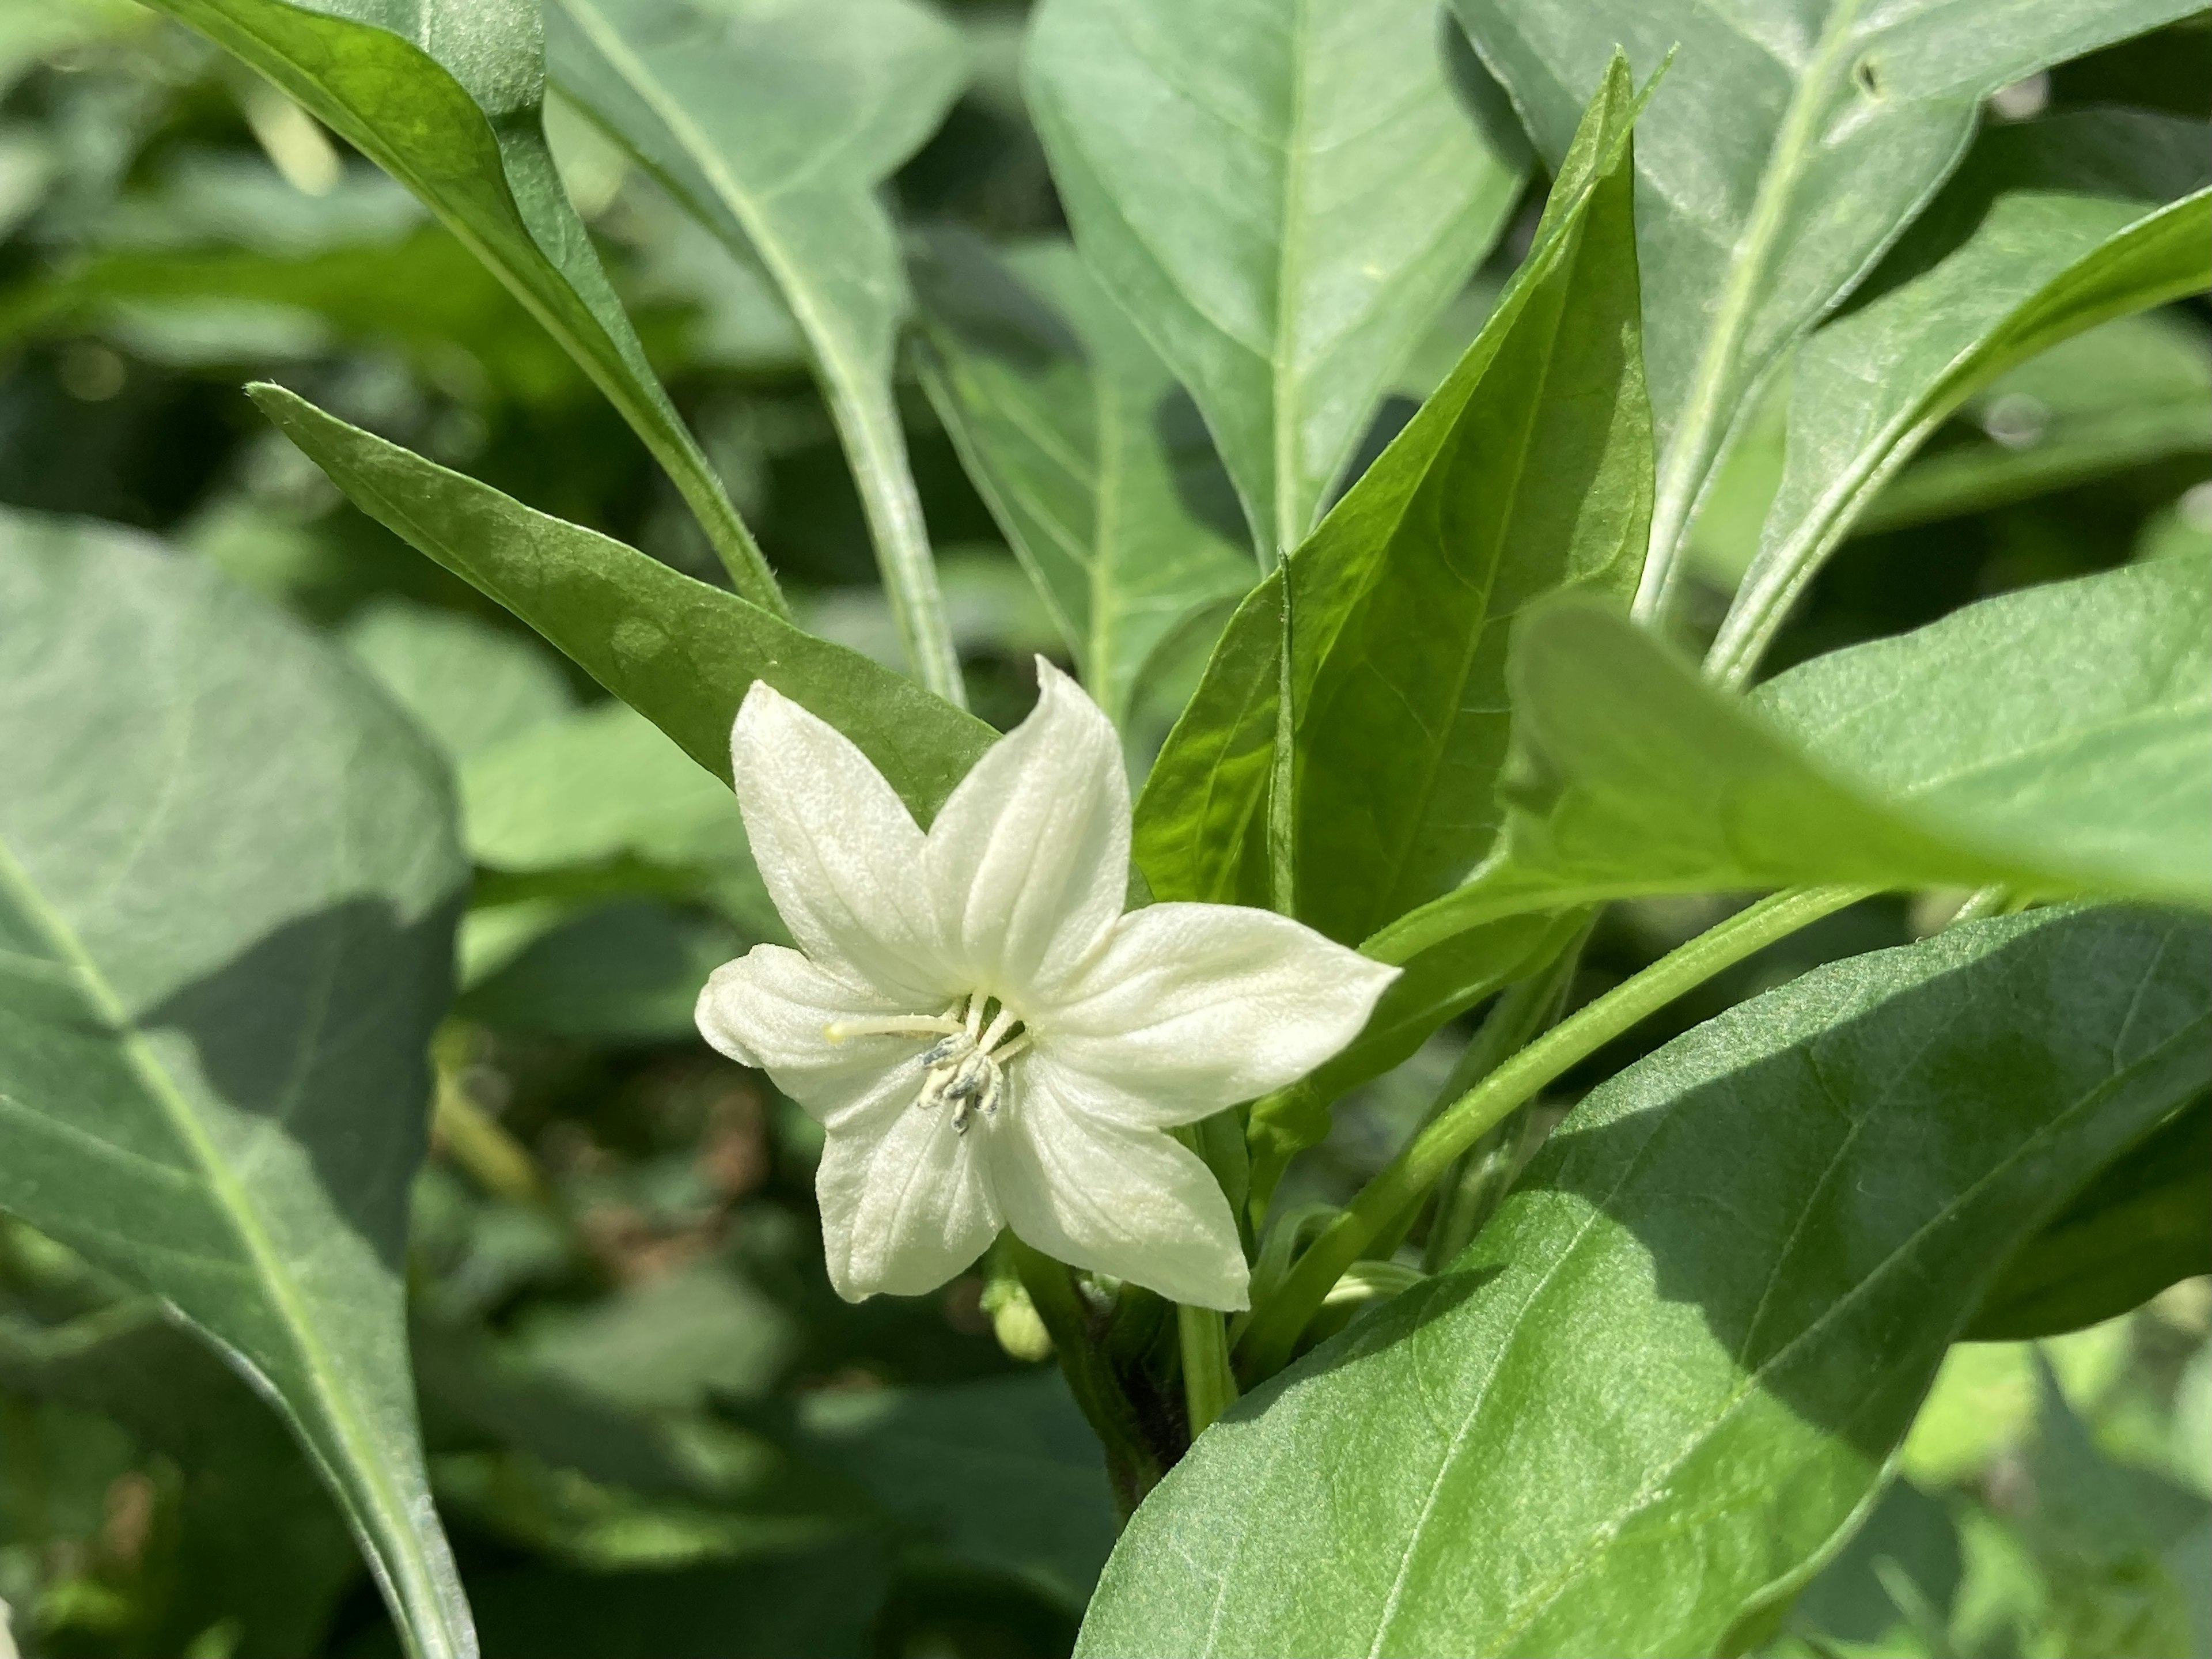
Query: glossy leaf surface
[[1681, 1356], [228, 875]]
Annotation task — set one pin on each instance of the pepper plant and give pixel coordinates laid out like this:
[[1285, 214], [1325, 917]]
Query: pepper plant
[[1377, 702]]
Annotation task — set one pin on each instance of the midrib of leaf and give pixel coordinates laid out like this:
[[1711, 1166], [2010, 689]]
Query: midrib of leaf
[[1656, 1480], [1282, 385], [1107, 468], [875, 447], [389, 1509], [1698, 432]]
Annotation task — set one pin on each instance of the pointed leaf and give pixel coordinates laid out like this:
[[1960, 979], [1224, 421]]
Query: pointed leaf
[[2049, 227], [228, 876], [680, 652], [445, 96], [774, 124], [1089, 456], [1785, 149], [1678, 1361], [2073, 754], [1283, 196]]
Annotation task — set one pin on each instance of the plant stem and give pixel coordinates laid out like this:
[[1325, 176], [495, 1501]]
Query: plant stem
[[876, 450], [1133, 1464], [1209, 1385], [1275, 1326]]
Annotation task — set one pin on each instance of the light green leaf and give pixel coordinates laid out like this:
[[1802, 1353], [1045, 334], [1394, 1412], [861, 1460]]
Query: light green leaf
[[1091, 459], [2049, 227], [468, 683], [774, 124], [680, 652], [2130, 391], [1680, 1357], [446, 96], [2073, 754], [1786, 147], [1284, 197], [228, 875]]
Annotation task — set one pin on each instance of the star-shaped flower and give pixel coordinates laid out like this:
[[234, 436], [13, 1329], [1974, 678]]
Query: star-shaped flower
[[987, 1039]]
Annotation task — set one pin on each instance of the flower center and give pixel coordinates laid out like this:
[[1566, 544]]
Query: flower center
[[967, 1063]]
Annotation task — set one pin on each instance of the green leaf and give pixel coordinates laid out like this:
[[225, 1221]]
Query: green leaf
[[2140, 1226], [1089, 456], [774, 124], [228, 875], [680, 652], [2072, 754], [2049, 227], [1680, 1357], [468, 683], [258, 1540], [2130, 391], [446, 96], [1283, 197], [1785, 149], [627, 973]]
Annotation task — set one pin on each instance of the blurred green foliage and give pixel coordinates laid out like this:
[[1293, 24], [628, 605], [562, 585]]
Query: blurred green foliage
[[655, 1430]]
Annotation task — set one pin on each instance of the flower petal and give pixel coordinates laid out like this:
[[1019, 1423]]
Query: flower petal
[[1193, 1007], [772, 1009], [1030, 858], [840, 855], [1113, 1196], [906, 1202]]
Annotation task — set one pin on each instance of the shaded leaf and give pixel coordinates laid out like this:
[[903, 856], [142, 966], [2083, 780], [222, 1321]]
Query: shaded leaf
[[629, 973], [1283, 197], [445, 96], [1093, 463], [228, 875], [1786, 147], [2049, 227], [774, 124], [1680, 1432], [467, 684]]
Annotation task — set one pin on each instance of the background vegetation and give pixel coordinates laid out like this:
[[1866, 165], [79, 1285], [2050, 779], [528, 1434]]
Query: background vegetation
[[655, 1431]]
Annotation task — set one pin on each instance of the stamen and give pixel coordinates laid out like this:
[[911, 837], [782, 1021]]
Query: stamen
[[837, 1031], [998, 1027]]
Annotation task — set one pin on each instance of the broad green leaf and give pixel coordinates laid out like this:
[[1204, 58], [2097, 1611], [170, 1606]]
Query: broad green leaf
[[1787, 147], [228, 875], [1091, 458], [2140, 1226], [446, 96], [680, 652], [469, 684], [1680, 1357], [2049, 227], [774, 124], [260, 1545], [2073, 754], [1283, 197]]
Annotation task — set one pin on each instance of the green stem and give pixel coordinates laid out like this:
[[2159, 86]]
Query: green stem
[[1133, 1464], [876, 450], [1209, 1385], [1275, 1326]]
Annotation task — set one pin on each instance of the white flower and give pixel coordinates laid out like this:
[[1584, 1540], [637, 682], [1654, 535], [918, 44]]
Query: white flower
[[987, 1040]]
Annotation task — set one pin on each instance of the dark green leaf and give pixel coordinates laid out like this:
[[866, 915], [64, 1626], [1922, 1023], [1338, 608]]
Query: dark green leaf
[[446, 96], [630, 973], [774, 124], [1680, 1357], [2141, 1225], [678, 652], [1283, 197], [1092, 461], [229, 874], [2074, 754], [2051, 227], [1786, 147]]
